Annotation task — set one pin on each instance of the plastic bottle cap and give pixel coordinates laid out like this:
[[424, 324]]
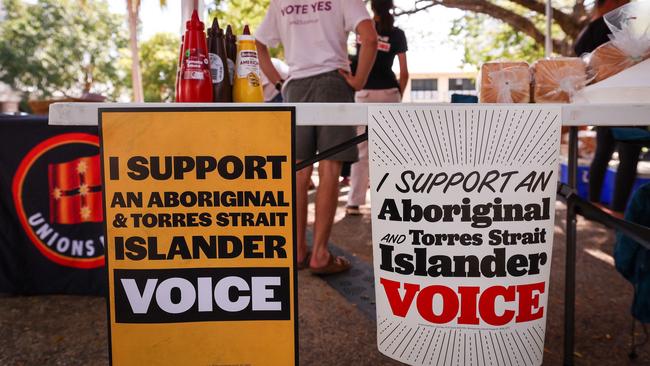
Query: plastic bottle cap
[[215, 26], [247, 30], [194, 23]]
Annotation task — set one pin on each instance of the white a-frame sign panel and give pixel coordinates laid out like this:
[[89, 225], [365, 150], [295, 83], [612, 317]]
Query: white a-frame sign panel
[[463, 205]]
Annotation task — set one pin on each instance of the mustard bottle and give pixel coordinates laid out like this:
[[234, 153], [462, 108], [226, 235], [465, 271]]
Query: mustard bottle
[[247, 87]]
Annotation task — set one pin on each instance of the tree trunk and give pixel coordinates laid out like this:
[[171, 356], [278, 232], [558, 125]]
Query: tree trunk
[[133, 9]]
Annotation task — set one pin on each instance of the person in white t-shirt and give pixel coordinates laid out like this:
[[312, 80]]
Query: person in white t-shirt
[[271, 91], [314, 34]]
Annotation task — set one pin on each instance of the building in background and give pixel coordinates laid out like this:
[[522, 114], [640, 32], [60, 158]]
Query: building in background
[[9, 99], [437, 87]]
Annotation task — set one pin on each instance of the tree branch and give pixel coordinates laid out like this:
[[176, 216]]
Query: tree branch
[[580, 14], [571, 24], [400, 11], [518, 22], [567, 23]]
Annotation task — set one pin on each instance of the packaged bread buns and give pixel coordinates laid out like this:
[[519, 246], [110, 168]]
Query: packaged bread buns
[[629, 44], [505, 82], [608, 60], [557, 80]]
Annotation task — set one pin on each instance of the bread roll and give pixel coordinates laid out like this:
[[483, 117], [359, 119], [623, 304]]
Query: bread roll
[[505, 82], [556, 80], [608, 60]]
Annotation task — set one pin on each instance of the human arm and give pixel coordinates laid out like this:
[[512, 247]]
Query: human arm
[[266, 64], [268, 35], [367, 53], [403, 72]]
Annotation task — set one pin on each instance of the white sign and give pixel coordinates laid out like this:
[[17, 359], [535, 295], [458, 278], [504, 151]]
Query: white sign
[[463, 205]]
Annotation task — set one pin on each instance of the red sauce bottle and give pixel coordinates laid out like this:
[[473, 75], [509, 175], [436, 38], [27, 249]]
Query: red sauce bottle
[[195, 85]]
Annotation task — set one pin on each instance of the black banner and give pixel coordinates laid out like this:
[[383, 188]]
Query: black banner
[[51, 233]]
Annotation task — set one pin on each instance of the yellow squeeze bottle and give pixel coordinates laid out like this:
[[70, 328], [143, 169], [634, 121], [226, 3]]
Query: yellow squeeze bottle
[[247, 87]]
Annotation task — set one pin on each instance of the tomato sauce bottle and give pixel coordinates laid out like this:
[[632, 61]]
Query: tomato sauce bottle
[[195, 85]]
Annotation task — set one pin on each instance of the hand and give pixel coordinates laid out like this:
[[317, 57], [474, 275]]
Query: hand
[[352, 80]]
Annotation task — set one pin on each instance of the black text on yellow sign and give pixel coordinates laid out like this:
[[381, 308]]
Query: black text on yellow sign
[[200, 231]]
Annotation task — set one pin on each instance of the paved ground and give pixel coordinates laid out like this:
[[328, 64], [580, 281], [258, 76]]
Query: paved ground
[[67, 330]]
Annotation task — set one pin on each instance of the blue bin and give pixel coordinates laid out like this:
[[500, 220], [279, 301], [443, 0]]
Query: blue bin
[[583, 175], [643, 177]]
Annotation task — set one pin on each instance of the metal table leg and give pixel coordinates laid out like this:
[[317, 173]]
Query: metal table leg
[[570, 266]]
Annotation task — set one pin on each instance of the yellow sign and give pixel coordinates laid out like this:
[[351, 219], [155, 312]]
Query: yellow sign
[[200, 248]]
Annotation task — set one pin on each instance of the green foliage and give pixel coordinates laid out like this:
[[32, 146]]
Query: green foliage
[[61, 48], [158, 59], [238, 13], [486, 39]]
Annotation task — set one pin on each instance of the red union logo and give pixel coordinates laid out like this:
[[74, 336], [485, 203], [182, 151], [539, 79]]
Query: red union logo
[[75, 191], [58, 198]]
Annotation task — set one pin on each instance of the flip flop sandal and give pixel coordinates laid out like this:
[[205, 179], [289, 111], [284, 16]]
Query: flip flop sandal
[[335, 265], [305, 262], [352, 211]]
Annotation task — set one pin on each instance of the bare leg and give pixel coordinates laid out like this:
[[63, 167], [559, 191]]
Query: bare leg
[[605, 145], [326, 202], [302, 184], [359, 175]]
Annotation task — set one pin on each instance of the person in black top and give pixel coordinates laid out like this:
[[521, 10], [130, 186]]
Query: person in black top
[[596, 32], [382, 86], [594, 35]]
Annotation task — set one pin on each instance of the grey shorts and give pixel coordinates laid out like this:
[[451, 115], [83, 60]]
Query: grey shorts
[[329, 87]]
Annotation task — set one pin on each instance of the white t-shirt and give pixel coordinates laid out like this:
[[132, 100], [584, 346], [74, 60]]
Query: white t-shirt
[[314, 33], [269, 89]]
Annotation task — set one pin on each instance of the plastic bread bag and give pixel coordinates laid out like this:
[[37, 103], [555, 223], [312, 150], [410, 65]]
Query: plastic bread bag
[[629, 41], [505, 82], [557, 80]]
